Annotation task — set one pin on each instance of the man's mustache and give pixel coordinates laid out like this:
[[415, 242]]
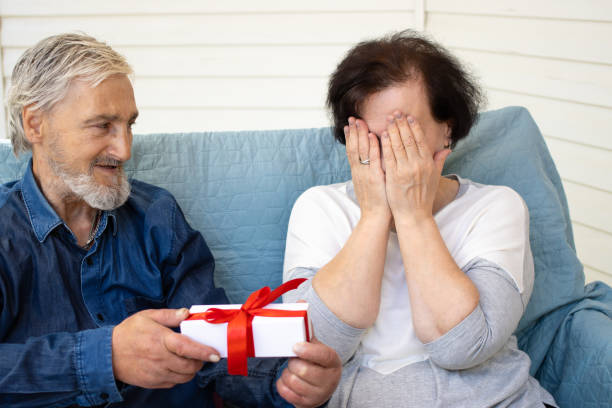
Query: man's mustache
[[107, 161]]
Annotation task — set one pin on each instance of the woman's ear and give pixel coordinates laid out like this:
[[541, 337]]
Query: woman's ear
[[32, 120], [447, 135]]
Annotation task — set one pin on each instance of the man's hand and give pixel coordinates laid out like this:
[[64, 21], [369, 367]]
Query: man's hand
[[310, 379], [148, 354]]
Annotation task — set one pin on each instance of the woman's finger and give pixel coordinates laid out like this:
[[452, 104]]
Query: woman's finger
[[300, 380], [362, 140], [351, 142], [375, 161], [388, 155], [289, 394], [406, 134], [419, 137], [397, 145]]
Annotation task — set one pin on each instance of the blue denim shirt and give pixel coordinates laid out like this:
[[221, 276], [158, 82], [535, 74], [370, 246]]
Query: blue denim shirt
[[60, 303]]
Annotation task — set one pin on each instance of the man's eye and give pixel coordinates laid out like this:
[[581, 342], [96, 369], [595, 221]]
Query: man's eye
[[103, 125]]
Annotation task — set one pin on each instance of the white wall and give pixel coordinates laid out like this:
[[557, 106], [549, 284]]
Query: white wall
[[555, 58], [237, 64], [212, 65]]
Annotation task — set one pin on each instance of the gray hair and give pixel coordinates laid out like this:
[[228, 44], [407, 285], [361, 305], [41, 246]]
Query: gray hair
[[44, 72]]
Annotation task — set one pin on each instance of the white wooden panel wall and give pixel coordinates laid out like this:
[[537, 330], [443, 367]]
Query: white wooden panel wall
[[212, 65], [555, 58]]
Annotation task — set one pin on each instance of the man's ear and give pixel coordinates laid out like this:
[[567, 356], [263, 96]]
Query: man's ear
[[32, 122]]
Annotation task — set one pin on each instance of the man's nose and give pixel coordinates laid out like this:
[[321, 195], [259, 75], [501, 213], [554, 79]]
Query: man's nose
[[121, 146]]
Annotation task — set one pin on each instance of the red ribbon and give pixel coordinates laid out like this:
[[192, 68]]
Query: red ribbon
[[239, 323]]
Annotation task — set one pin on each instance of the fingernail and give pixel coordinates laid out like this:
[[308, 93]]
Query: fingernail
[[398, 114], [351, 120], [299, 347], [303, 370], [357, 124], [214, 358], [391, 119], [385, 134], [410, 120], [181, 312]]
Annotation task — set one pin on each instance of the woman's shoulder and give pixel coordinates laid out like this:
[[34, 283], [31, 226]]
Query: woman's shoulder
[[338, 192], [330, 189], [328, 201], [495, 198]]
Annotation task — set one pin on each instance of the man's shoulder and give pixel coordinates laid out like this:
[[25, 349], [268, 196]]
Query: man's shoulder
[[7, 190], [150, 202], [145, 194], [14, 219], [9, 195]]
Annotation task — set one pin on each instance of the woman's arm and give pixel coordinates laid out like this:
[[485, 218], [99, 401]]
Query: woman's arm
[[487, 329], [328, 328], [350, 283], [346, 246], [441, 295]]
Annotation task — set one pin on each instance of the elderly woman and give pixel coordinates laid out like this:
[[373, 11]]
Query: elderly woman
[[417, 280]]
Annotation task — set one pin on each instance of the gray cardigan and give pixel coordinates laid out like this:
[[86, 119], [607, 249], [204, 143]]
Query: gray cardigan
[[475, 364]]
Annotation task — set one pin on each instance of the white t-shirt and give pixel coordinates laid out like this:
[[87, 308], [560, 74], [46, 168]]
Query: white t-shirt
[[487, 222]]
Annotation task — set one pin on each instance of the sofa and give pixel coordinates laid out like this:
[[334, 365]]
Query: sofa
[[238, 189]]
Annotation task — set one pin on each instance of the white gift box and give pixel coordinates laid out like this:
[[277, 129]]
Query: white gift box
[[272, 336]]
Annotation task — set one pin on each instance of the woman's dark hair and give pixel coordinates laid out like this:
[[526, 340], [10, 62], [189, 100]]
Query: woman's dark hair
[[372, 66]]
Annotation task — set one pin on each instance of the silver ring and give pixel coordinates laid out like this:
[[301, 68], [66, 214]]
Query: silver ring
[[366, 161]]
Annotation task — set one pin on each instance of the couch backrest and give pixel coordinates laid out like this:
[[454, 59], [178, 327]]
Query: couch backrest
[[238, 188]]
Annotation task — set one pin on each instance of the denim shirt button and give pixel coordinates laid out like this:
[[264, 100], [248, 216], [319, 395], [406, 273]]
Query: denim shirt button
[[104, 396], [100, 317], [89, 261]]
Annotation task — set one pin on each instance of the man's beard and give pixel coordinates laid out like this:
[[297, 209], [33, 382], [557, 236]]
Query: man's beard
[[85, 186]]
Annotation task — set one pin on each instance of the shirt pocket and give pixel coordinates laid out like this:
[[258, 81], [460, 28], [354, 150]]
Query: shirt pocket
[[138, 303]]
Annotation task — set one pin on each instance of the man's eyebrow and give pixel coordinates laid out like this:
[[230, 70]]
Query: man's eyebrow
[[108, 118]]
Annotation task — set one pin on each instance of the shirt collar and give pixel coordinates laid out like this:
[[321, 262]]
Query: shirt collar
[[43, 217]]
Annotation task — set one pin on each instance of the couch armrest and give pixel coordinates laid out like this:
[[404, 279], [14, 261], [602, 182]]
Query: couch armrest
[[578, 366]]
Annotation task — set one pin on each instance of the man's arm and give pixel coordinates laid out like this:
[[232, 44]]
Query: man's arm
[[82, 368], [58, 367]]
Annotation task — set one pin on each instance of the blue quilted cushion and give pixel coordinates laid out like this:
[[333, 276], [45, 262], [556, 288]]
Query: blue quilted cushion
[[238, 189], [506, 148]]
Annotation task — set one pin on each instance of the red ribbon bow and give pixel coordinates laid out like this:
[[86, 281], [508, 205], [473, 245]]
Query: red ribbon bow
[[239, 323]]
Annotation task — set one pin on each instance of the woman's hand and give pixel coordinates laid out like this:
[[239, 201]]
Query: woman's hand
[[368, 179], [441, 295], [310, 379], [412, 170]]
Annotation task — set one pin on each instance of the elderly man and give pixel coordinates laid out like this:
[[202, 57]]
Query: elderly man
[[94, 272]]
